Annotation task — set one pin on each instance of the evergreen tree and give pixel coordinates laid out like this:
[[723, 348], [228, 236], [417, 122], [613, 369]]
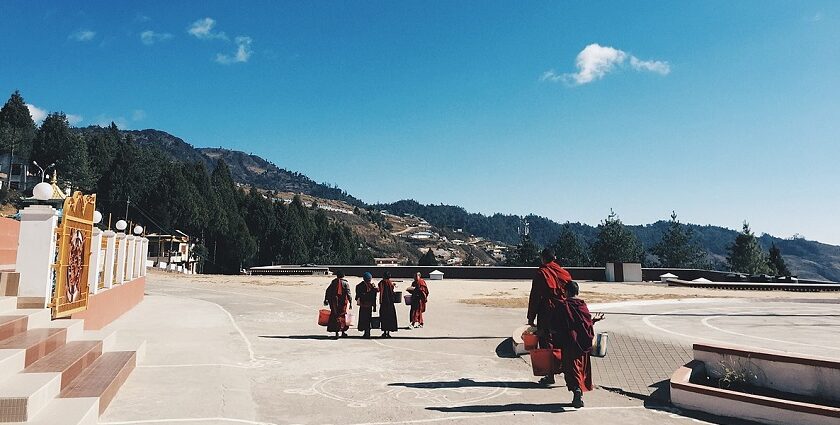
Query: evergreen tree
[[54, 142], [615, 243], [428, 259], [569, 250], [17, 130], [745, 255], [527, 253], [777, 263], [677, 248]]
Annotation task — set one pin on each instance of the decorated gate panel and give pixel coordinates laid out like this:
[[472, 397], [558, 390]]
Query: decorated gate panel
[[70, 293]]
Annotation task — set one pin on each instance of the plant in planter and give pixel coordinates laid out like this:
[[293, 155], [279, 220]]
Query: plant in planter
[[738, 374]]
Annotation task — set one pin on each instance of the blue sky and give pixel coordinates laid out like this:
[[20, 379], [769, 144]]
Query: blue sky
[[722, 111]]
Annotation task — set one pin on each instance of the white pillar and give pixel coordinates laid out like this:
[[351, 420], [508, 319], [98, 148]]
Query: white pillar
[[110, 255], [95, 262], [36, 253], [145, 256], [122, 245], [129, 258], [138, 257]]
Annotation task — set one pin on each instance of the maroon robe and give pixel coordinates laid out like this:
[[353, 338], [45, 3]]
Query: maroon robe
[[576, 345], [419, 297], [339, 299]]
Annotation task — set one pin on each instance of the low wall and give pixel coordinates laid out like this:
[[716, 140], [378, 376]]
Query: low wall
[[9, 232], [106, 306], [468, 272], [804, 375]]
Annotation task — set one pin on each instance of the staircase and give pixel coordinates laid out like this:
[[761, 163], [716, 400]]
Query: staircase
[[52, 371]]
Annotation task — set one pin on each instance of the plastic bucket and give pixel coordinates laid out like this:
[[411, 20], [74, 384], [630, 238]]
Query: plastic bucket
[[530, 340], [348, 319], [545, 361], [375, 322], [407, 299], [599, 345], [397, 297], [324, 317]]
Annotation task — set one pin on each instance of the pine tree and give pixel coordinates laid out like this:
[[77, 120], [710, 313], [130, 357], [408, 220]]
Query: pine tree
[[745, 255], [527, 253], [777, 263], [428, 259], [17, 130], [615, 243], [55, 143], [569, 250], [677, 248]]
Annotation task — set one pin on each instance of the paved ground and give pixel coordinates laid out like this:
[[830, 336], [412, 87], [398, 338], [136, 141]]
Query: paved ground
[[245, 350]]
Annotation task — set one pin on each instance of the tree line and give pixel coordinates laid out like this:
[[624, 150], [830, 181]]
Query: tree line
[[677, 248], [232, 228]]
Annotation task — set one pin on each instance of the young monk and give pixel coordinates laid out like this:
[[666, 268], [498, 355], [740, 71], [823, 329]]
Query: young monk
[[338, 297], [387, 309], [576, 344], [366, 300], [419, 295]]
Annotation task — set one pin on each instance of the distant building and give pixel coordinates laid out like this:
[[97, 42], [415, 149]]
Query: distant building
[[23, 178], [423, 235], [172, 252], [387, 261]]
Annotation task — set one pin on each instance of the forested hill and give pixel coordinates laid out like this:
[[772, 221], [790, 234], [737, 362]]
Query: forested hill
[[246, 169], [808, 259]]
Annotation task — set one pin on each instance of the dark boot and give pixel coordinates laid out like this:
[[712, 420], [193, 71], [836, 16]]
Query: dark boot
[[577, 401], [366, 335]]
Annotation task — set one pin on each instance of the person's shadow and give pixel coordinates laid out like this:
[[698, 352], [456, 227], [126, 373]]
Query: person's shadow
[[503, 408]]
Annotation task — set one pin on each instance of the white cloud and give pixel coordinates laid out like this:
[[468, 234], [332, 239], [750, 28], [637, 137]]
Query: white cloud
[[82, 35], [74, 119], [815, 17], [138, 115], [659, 67], [243, 52], [596, 61], [150, 37], [37, 113], [203, 29]]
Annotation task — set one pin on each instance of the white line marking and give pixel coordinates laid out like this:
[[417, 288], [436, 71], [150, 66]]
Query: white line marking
[[415, 421], [432, 352], [705, 322]]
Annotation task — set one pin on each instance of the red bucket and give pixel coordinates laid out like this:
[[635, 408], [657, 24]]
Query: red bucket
[[530, 340], [324, 317], [545, 361]]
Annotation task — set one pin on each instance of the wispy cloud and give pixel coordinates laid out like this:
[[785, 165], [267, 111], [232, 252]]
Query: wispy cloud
[[243, 52], [150, 37], [103, 120], [37, 113], [596, 61], [203, 29], [74, 119], [82, 35], [138, 115], [815, 17]]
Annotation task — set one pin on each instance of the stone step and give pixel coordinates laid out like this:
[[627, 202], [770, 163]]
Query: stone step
[[23, 395], [12, 325], [70, 360], [37, 343], [7, 304], [67, 411], [75, 328], [9, 283], [103, 378], [36, 317], [11, 362]]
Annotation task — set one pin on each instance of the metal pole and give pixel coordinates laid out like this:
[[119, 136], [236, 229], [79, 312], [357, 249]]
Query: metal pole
[[127, 201]]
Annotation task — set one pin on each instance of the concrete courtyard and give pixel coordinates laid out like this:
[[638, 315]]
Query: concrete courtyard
[[247, 350]]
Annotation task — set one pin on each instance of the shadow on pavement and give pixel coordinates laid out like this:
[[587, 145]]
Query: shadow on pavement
[[468, 383], [515, 407], [330, 336]]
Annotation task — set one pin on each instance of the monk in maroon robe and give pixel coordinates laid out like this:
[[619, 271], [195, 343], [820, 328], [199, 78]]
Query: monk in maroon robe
[[547, 305], [419, 295], [387, 309], [338, 297]]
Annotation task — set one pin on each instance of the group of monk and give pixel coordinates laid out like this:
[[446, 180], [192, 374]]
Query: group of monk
[[563, 323], [340, 300]]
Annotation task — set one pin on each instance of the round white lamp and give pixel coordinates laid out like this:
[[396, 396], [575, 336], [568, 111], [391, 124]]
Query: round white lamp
[[97, 217], [138, 229], [42, 191], [121, 225]]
